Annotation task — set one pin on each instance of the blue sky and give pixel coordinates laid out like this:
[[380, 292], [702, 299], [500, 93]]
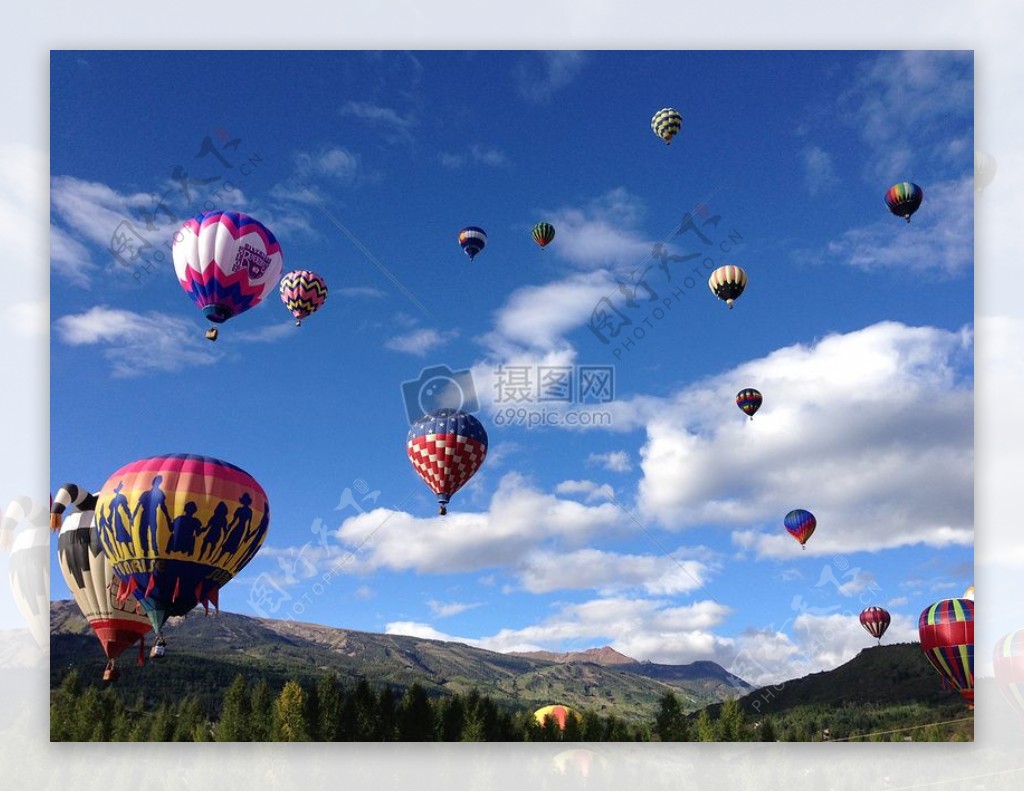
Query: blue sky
[[658, 528]]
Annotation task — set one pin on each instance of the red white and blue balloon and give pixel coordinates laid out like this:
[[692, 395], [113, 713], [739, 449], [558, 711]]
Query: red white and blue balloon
[[446, 447]]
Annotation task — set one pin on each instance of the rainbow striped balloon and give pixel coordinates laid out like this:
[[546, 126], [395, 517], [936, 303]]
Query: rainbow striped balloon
[[176, 528], [303, 292], [946, 629], [904, 199], [801, 524]]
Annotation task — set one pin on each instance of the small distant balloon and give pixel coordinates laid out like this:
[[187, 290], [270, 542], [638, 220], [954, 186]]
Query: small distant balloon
[[727, 283], [904, 199], [749, 400], [1008, 665], [666, 123], [303, 292], [969, 594], [473, 240], [801, 524], [543, 233], [876, 621], [984, 170]]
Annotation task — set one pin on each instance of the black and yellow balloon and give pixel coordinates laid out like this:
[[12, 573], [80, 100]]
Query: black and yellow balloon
[[666, 123]]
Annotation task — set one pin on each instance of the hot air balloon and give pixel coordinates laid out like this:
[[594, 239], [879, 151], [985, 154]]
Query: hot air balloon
[[904, 199], [1008, 665], [176, 528], [473, 240], [749, 400], [446, 447], [727, 283], [947, 640], [227, 262], [969, 594], [543, 233], [559, 713], [876, 621], [666, 123], [984, 170], [93, 582], [29, 566], [303, 292], [801, 524]]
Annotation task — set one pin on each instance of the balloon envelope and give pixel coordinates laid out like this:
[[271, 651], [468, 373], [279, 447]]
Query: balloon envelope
[[543, 233], [446, 447], [875, 620], [727, 283], [559, 713], [29, 571], [227, 262], [1008, 664], [472, 240], [303, 292], [749, 400], [801, 524], [904, 199], [946, 629], [666, 123], [176, 528], [94, 584]]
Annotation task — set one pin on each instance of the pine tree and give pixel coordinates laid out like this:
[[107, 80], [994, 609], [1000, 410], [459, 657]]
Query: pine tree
[[706, 731], [731, 722], [450, 714], [62, 708], [415, 716], [768, 731], [329, 703], [161, 727], [190, 720], [290, 714], [670, 723], [261, 712], [234, 723]]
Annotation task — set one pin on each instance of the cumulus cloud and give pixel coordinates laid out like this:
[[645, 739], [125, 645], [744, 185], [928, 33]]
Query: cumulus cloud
[[588, 489], [615, 461], [420, 342], [871, 430], [543, 74], [518, 520], [135, 344], [939, 240], [819, 171], [476, 154], [444, 609]]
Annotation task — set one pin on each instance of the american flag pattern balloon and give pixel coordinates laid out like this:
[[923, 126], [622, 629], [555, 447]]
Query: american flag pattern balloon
[[446, 447], [227, 262], [303, 292], [875, 620], [946, 629]]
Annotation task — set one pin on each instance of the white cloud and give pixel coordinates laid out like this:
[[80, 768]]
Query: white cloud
[[939, 239], [819, 171], [476, 154], [519, 519], [603, 233], [871, 430], [588, 489], [395, 127], [136, 344], [615, 461], [607, 572], [900, 102], [444, 609], [335, 162], [370, 292], [420, 342], [543, 74]]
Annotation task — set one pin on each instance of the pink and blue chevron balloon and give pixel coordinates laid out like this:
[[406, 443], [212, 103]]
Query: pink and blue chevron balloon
[[227, 262], [303, 292]]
